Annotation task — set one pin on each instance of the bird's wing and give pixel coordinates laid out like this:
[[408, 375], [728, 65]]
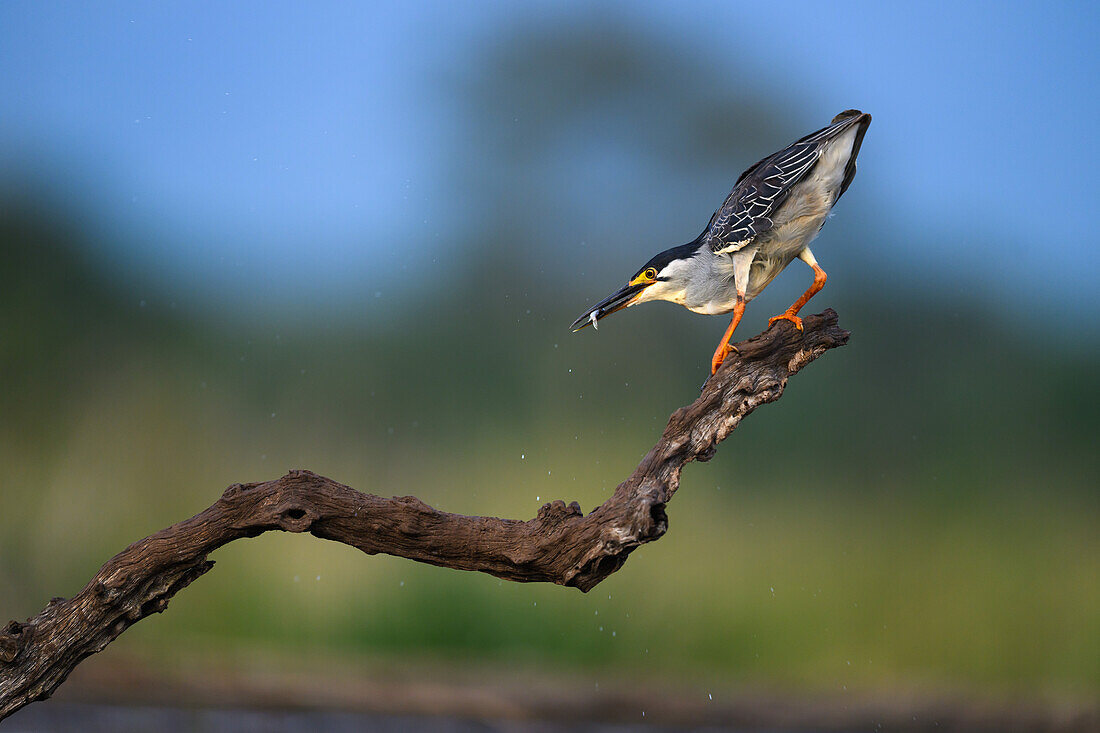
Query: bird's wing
[[763, 188]]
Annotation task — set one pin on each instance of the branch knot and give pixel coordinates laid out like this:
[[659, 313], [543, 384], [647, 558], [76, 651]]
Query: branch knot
[[11, 641]]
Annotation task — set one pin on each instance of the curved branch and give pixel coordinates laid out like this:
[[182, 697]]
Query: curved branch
[[560, 545]]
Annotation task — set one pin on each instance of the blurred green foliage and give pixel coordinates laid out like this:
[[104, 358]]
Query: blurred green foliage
[[920, 507]]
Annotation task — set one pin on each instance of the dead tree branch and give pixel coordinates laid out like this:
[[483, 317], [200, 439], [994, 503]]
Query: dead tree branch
[[560, 545]]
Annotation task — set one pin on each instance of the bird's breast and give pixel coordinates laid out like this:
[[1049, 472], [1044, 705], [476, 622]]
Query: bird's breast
[[713, 307]]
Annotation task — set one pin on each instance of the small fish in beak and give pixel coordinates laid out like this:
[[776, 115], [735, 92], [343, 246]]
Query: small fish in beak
[[619, 299]]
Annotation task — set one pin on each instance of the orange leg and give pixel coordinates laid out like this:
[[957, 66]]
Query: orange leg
[[791, 314], [724, 347]]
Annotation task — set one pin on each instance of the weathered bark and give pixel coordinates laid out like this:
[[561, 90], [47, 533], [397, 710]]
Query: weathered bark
[[560, 545]]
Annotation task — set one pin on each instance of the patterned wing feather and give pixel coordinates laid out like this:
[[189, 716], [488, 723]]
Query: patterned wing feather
[[763, 188]]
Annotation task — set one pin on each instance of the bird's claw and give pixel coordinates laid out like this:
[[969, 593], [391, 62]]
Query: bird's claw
[[786, 317], [720, 357], [716, 362]]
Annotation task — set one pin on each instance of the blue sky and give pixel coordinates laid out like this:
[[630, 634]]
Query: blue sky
[[295, 139]]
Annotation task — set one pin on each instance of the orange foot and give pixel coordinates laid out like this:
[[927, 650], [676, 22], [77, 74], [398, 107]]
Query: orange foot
[[720, 356], [788, 316]]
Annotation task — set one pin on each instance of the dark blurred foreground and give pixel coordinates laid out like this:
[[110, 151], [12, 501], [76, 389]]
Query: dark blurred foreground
[[108, 719], [122, 696]]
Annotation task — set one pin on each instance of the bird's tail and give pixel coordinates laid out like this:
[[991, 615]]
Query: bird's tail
[[846, 114]]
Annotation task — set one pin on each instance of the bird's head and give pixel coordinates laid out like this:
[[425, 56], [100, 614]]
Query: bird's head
[[664, 277]]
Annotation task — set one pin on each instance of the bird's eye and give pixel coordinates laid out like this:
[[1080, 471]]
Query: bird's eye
[[650, 274]]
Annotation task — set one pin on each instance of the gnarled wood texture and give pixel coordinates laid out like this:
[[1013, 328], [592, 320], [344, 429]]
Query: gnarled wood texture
[[560, 545]]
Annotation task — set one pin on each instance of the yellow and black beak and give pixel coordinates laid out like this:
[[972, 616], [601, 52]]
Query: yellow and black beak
[[616, 301]]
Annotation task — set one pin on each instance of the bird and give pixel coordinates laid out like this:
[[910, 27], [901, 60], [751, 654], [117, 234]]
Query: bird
[[774, 211]]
